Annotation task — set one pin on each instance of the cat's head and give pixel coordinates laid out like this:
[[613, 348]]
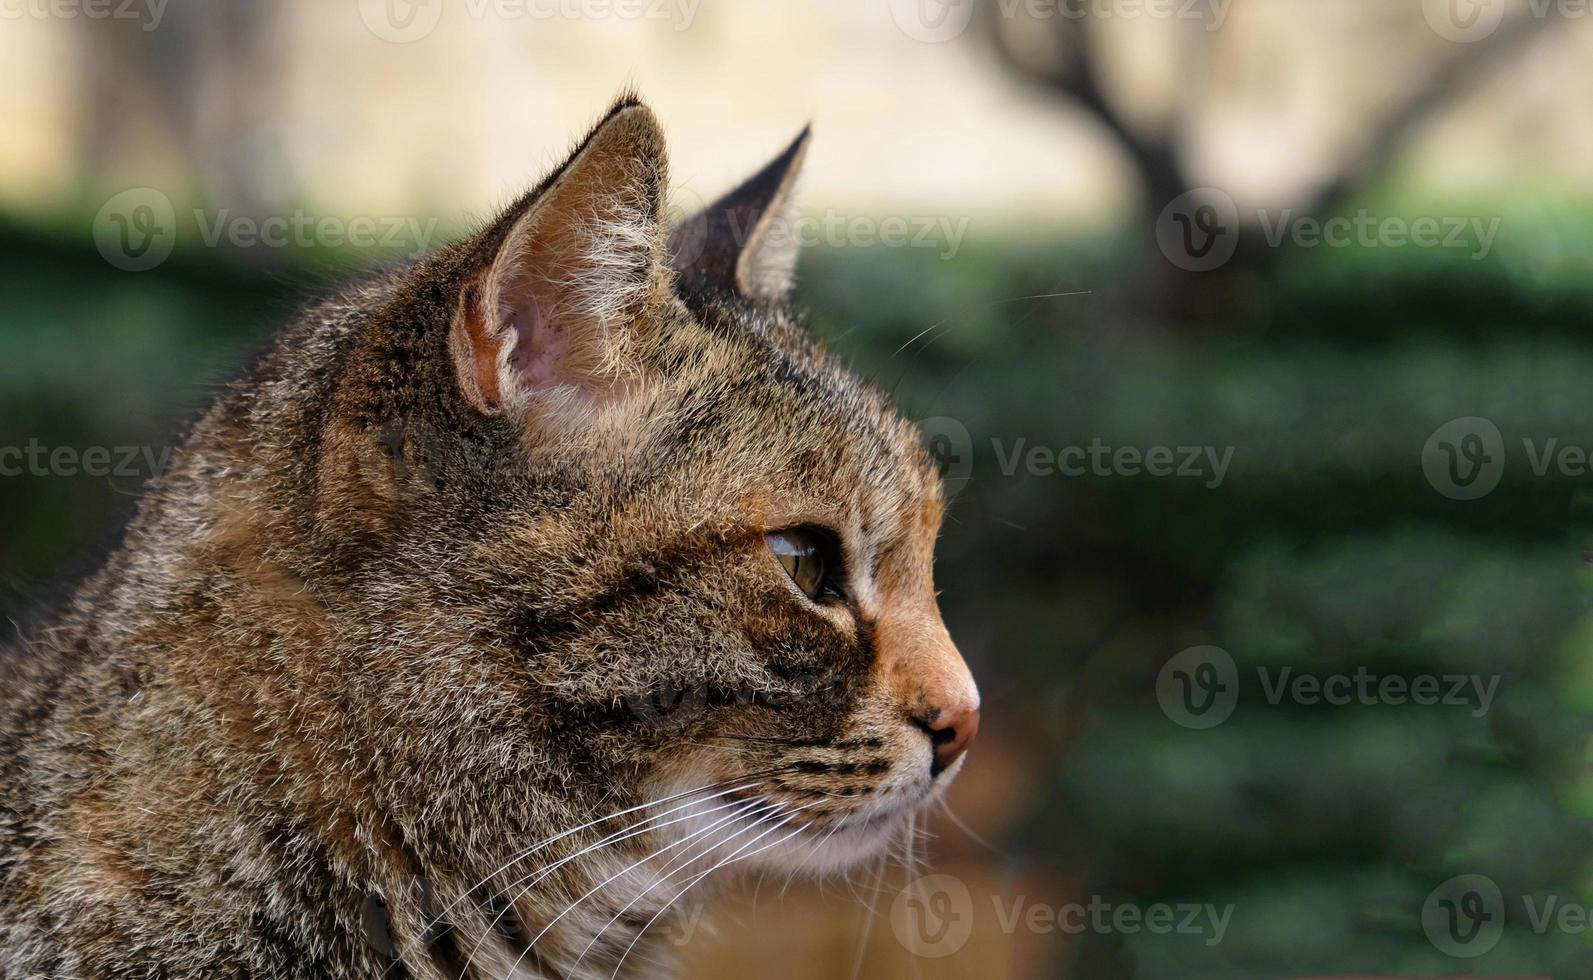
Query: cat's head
[[639, 537]]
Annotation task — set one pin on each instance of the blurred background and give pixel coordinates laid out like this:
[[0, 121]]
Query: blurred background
[[1254, 337]]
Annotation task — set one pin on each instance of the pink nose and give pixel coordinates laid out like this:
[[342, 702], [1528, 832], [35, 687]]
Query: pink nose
[[949, 731]]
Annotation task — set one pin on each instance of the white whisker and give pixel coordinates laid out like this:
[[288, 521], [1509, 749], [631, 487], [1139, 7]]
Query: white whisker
[[764, 812], [575, 830], [732, 859], [962, 826], [809, 855], [746, 807], [869, 914], [531, 879]]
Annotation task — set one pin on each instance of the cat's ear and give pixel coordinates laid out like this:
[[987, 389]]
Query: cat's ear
[[747, 240], [582, 255]]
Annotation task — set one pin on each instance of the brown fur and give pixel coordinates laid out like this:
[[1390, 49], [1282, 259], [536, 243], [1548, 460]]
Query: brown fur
[[409, 599]]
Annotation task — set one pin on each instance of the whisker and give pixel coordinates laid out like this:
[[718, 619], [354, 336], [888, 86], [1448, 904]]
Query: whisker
[[910, 865], [978, 306], [809, 855], [722, 786], [671, 867], [746, 807], [962, 826], [531, 879], [870, 913], [574, 830], [732, 859]]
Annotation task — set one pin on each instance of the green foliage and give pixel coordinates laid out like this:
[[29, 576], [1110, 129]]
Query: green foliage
[[1323, 549]]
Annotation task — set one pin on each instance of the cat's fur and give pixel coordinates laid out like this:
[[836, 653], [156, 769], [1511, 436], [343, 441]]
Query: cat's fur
[[473, 557]]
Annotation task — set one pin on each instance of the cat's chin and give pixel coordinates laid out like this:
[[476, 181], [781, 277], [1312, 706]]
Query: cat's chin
[[859, 837], [838, 848]]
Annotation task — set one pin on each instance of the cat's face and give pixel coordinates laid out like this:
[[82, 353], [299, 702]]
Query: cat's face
[[700, 564], [782, 606], [762, 613]]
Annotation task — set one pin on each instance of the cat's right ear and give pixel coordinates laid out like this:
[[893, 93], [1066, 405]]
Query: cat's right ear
[[747, 240], [575, 263]]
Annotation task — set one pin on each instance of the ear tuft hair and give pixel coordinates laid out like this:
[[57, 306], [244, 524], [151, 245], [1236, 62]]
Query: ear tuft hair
[[579, 259]]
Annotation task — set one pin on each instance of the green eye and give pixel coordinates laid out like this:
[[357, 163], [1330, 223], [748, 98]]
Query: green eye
[[810, 556]]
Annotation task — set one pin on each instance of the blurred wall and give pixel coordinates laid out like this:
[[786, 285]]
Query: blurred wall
[[384, 106]]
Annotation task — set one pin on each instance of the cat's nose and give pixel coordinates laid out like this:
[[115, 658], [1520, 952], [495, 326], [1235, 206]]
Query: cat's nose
[[924, 670], [950, 730]]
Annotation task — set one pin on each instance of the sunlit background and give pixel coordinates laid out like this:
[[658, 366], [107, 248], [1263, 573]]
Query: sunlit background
[[1092, 245]]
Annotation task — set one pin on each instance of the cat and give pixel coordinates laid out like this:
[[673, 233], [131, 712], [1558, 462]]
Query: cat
[[506, 598]]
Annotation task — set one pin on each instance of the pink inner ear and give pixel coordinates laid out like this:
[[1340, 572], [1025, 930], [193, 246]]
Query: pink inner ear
[[537, 353]]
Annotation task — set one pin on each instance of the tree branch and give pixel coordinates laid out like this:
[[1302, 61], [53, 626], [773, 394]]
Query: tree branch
[[1424, 102], [1076, 78]]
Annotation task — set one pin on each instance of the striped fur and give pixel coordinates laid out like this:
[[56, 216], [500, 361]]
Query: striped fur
[[377, 632]]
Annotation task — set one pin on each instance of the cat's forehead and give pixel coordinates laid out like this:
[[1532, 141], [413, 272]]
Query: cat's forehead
[[798, 415]]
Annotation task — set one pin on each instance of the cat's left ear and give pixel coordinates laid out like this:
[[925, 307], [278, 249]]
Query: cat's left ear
[[747, 240], [573, 266]]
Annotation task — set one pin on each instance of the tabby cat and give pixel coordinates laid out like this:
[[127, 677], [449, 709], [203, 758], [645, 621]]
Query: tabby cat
[[507, 597]]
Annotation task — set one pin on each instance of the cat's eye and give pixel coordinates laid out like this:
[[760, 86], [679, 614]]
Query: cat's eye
[[812, 557]]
